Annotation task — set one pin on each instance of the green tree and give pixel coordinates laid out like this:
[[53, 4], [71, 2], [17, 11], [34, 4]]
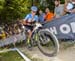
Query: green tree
[[12, 9]]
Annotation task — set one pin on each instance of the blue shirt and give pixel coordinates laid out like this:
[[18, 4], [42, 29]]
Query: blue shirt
[[41, 17], [30, 18]]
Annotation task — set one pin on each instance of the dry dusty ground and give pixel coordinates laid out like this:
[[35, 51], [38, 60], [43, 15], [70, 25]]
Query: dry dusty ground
[[67, 53]]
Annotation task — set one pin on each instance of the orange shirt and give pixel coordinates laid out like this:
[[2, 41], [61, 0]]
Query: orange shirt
[[49, 16]]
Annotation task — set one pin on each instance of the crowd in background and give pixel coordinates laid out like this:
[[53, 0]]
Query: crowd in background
[[60, 10], [7, 30]]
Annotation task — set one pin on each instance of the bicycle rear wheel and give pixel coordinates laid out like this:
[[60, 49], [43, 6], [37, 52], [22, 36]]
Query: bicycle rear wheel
[[48, 43]]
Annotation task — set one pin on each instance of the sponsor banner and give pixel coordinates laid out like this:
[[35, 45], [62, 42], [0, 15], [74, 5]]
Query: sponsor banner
[[63, 28]]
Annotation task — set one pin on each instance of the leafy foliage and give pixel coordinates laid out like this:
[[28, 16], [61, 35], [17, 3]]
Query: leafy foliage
[[13, 9]]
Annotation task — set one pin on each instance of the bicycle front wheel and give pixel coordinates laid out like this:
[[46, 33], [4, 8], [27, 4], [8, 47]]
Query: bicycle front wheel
[[48, 43]]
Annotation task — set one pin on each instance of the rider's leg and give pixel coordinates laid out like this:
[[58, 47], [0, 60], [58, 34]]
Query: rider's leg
[[29, 31], [30, 28], [29, 46], [29, 36]]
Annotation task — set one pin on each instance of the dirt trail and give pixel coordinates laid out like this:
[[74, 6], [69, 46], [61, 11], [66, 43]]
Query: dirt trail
[[67, 55], [64, 54]]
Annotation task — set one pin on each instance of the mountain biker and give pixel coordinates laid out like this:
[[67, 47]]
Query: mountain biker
[[29, 19]]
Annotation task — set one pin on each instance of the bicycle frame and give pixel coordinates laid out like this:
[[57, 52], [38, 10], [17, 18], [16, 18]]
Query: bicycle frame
[[35, 30]]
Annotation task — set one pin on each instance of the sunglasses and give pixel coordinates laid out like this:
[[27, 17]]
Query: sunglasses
[[34, 11]]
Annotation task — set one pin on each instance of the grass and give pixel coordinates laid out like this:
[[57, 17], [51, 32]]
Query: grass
[[10, 56], [37, 59]]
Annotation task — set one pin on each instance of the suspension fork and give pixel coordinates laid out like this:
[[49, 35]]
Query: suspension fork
[[36, 37]]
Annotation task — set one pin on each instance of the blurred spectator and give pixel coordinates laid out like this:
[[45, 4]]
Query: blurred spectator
[[69, 7], [8, 30], [2, 33], [59, 9], [41, 16], [49, 15]]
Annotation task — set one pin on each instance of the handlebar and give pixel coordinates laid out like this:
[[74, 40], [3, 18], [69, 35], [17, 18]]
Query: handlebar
[[33, 23]]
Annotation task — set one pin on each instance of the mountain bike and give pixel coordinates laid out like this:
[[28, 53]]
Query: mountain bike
[[45, 40]]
